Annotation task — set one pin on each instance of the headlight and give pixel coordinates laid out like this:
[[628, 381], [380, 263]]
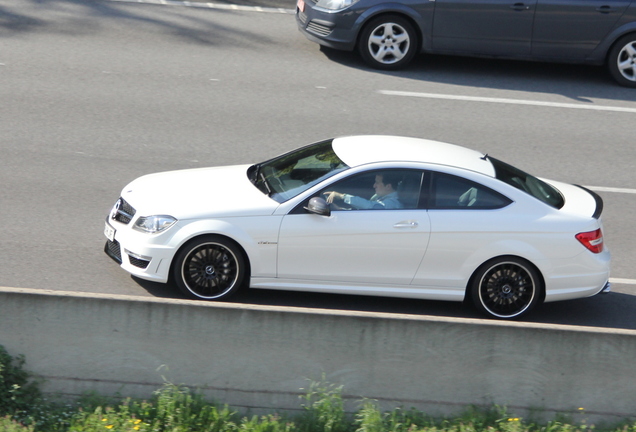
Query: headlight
[[154, 224], [335, 4]]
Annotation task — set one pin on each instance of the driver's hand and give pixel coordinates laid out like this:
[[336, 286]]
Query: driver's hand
[[331, 196]]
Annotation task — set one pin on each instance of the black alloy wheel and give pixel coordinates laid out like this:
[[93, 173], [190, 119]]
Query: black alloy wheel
[[209, 268], [388, 42], [506, 288]]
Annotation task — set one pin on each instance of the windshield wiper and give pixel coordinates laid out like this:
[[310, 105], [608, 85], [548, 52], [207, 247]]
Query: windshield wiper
[[269, 190], [255, 175]]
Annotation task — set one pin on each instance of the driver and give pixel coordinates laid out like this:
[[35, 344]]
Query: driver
[[385, 197]]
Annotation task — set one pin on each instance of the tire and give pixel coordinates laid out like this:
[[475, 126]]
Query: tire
[[388, 42], [506, 288], [209, 268], [622, 61]]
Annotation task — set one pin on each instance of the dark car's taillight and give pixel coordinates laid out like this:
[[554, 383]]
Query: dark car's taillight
[[592, 240]]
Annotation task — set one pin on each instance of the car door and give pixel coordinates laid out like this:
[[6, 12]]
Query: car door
[[571, 29], [483, 27], [376, 246], [465, 217]]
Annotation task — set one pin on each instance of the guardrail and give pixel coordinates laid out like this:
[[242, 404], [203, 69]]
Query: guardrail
[[258, 357]]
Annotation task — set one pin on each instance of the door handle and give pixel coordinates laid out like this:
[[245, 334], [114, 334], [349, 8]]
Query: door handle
[[519, 7], [605, 9], [406, 224]]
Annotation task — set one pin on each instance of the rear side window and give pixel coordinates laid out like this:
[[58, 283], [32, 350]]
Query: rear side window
[[452, 192], [527, 183]]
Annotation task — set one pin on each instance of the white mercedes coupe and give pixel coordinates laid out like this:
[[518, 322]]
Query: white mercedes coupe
[[369, 215]]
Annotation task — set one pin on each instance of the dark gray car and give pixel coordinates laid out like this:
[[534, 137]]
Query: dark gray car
[[388, 34]]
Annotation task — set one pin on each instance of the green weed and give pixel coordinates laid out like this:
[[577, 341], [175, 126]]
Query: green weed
[[175, 408]]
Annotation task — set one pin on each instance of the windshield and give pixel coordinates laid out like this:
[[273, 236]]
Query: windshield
[[527, 183], [288, 175]]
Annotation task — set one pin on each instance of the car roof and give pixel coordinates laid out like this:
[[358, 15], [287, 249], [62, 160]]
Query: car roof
[[366, 149]]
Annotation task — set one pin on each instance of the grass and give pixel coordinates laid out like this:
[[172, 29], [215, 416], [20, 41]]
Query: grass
[[176, 408]]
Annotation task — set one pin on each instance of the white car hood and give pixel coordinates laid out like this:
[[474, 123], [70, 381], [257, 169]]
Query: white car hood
[[198, 193]]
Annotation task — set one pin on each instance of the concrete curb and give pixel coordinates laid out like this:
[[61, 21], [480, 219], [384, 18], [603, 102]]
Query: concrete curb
[[258, 357]]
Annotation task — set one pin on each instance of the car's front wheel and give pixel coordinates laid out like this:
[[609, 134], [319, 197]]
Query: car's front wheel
[[506, 288], [622, 61], [209, 268], [388, 42]]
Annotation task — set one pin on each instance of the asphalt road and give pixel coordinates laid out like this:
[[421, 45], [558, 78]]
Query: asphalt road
[[96, 93]]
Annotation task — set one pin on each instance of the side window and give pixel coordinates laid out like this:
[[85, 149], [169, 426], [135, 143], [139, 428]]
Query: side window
[[452, 192], [376, 190]]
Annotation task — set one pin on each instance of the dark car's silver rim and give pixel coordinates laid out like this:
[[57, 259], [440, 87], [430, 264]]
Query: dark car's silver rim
[[627, 61], [507, 289], [389, 43], [210, 270]]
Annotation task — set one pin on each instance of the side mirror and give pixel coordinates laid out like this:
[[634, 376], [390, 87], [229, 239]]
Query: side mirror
[[318, 206]]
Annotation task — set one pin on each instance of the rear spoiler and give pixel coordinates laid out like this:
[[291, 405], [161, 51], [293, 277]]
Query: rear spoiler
[[598, 199]]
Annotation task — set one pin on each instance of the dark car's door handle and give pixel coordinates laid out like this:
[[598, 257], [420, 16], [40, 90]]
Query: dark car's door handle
[[519, 7], [605, 9]]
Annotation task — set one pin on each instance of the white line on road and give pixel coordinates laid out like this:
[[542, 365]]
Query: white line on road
[[623, 281], [211, 6], [506, 101], [611, 189]]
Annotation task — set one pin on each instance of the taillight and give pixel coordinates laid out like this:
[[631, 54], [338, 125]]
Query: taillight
[[593, 240]]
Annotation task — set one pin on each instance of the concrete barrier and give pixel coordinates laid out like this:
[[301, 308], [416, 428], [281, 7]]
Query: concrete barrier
[[258, 357]]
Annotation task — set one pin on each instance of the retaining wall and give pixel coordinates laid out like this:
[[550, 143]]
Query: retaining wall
[[259, 357]]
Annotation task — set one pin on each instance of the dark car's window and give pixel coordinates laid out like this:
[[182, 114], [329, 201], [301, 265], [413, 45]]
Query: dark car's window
[[452, 192], [527, 183], [288, 175]]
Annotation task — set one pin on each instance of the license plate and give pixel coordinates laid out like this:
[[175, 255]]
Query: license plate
[[109, 232], [301, 5]]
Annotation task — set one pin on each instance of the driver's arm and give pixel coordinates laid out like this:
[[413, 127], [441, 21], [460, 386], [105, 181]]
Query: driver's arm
[[359, 203]]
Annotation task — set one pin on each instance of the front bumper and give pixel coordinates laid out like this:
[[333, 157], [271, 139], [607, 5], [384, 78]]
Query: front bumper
[[333, 29], [137, 255], [113, 250]]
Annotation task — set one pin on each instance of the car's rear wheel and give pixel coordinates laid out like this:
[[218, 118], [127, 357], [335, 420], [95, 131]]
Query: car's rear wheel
[[209, 268], [506, 288], [388, 42], [622, 61]]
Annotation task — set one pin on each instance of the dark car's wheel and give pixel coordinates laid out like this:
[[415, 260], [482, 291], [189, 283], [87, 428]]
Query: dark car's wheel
[[388, 42], [622, 61], [506, 288], [209, 268]]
